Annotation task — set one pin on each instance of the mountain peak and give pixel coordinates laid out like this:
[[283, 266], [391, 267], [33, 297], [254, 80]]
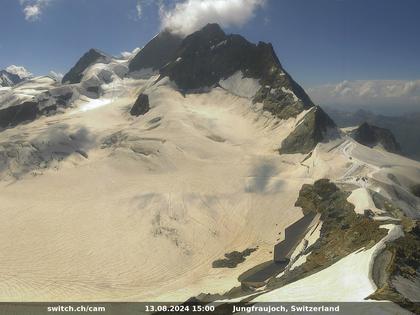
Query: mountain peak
[[89, 58], [210, 31], [156, 53], [206, 57], [19, 71], [13, 75], [371, 136]]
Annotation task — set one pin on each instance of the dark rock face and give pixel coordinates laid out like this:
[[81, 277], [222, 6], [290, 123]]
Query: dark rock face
[[233, 259], [141, 106], [343, 231], [8, 79], [93, 56], [209, 55], [62, 100], [371, 136], [313, 129], [158, 52], [415, 189], [14, 115], [93, 89], [405, 128], [44, 104], [312, 197], [338, 215]]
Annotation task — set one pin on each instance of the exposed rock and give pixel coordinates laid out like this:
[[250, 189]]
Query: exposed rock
[[13, 75], [371, 136], [415, 189], [141, 106], [343, 231], [20, 156], [385, 204], [158, 52], [14, 115], [315, 127], [8, 79], [45, 103], [54, 98], [405, 127], [233, 259], [399, 260], [368, 213], [93, 56], [209, 55]]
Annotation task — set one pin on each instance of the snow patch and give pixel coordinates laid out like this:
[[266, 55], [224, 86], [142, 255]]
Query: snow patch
[[239, 85], [222, 43], [362, 201], [288, 91], [346, 280], [93, 104]]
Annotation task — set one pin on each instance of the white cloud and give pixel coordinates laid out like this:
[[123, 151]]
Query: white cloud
[[19, 71], [190, 15], [139, 9], [140, 5], [390, 94], [56, 75], [126, 54], [129, 54], [32, 9]]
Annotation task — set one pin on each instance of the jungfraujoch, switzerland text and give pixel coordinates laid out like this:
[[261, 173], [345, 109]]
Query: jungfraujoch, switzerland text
[[272, 308]]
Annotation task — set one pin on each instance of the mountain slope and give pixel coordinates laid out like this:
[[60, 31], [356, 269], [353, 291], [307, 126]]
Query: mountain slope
[[158, 52], [313, 128], [372, 136], [89, 58], [405, 127], [124, 207], [209, 57]]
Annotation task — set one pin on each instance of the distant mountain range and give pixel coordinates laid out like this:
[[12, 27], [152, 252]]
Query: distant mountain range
[[406, 128], [173, 173], [13, 75]]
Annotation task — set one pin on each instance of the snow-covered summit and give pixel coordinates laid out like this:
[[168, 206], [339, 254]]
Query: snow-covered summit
[[20, 71], [13, 75], [189, 151]]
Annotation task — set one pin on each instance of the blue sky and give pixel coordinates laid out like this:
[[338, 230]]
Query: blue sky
[[317, 41]]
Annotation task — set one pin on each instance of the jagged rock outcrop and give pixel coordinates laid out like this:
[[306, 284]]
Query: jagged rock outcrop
[[415, 189], [371, 136], [316, 126], [14, 115], [45, 103], [158, 52], [209, 55], [232, 259], [343, 231], [13, 75], [51, 100], [396, 270], [141, 106], [8, 79], [75, 74]]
